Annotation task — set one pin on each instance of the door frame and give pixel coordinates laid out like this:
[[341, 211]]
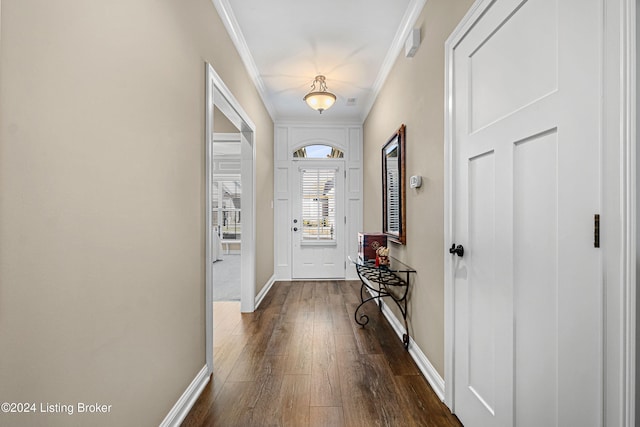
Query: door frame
[[218, 95], [287, 138], [618, 227]]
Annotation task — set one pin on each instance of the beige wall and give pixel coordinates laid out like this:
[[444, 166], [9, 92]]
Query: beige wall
[[102, 232], [221, 124], [414, 95]]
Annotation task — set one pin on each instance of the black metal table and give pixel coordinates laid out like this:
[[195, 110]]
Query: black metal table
[[387, 278]]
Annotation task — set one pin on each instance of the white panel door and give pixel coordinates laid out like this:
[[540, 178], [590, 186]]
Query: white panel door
[[318, 221], [526, 156]]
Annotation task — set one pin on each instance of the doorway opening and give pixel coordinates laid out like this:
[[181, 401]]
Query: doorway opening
[[226, 199], [230, 202]]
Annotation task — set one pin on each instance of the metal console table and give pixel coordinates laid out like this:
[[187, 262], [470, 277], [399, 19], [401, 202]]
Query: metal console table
[[392, 282]]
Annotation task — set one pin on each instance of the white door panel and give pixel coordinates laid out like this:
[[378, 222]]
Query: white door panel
[[528, 291], [535, 284], [318, 221]]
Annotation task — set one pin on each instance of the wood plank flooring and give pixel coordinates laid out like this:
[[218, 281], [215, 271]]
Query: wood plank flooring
[[301, 360]]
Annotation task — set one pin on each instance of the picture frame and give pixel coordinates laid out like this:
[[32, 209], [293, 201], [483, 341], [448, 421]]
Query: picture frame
[[393, 187]]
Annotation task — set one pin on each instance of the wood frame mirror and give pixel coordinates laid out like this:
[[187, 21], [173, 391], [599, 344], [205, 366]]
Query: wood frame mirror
[[393, 187]]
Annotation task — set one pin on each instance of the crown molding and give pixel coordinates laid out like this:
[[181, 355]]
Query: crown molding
[[233, 29], [406, 25], [315, 125]]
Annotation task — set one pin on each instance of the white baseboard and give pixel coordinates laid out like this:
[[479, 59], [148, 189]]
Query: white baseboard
[[265, 290], [421, 359], [182, 407], [428, 371]]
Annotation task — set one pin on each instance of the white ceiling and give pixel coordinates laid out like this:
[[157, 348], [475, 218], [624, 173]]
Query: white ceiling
[[286, 43]]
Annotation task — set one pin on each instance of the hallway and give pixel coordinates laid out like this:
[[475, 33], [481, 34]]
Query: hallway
[[301, 360]]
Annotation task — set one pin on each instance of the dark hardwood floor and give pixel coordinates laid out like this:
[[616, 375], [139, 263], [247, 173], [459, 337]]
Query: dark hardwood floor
[[301, 360]]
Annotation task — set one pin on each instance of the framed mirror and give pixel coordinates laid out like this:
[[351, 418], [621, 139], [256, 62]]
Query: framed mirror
[[393, 188]]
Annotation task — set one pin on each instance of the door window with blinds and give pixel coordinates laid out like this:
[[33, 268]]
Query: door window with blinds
[[318, 205]]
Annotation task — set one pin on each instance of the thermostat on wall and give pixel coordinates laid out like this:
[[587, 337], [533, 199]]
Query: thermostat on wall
[[415, 181]]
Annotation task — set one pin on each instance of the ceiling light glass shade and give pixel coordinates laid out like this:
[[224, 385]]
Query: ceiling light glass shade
[[319, 98]]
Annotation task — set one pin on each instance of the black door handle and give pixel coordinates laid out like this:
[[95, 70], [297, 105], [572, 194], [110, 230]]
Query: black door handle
[[295, 228], [458, 250]]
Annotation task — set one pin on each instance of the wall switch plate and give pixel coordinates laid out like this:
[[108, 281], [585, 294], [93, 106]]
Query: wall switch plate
[[415, 181]]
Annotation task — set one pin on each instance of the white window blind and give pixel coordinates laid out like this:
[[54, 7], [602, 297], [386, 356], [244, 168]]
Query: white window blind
[[393, 200], [318, 204]]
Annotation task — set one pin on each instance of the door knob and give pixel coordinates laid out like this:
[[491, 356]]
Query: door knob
[[295, 228], [458, 250]]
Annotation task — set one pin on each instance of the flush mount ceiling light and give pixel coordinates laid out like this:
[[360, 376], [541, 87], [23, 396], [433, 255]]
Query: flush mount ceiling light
[[319, 99]]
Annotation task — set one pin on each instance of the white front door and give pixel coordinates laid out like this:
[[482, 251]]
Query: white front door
[[318, 220], [528, 316]]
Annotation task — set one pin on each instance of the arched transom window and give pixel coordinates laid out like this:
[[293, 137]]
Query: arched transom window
[[318, 151]]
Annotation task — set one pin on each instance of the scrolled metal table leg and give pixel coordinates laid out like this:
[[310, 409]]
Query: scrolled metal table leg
[[364, 319]]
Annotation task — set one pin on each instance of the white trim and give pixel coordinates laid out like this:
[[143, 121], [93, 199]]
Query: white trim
[[208, 219], [235, 33], [305, 124], [397, 45], [449, 291], [424, 364], [178, 413], [265, 290], [248, 197], [619, 211], [629, 111], [232, 101], [631, 386]]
